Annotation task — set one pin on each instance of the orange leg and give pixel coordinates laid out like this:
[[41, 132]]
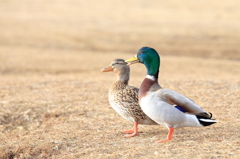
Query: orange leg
[[132, 132], [169, 137]]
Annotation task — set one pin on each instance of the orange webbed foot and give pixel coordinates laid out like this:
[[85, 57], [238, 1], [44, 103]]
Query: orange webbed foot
[[131, 135], [132, 132], [128, 131], [159, 141], [169, 137]]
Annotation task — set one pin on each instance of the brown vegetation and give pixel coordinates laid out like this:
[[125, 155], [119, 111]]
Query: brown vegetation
[[53, 98]]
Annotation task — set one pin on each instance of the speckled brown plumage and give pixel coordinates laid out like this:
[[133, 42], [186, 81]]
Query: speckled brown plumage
[[124, 98]]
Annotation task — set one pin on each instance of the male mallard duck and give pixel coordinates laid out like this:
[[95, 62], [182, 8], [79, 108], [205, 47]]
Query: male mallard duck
[[124, 98], [165, 106]]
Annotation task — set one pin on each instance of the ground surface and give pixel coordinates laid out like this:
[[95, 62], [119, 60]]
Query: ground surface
[[53, 98]]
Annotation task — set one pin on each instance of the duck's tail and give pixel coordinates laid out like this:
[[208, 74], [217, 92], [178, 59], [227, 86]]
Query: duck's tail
[[206, 119]]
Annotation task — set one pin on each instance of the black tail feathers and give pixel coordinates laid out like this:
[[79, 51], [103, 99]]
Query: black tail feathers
[[206, 119]]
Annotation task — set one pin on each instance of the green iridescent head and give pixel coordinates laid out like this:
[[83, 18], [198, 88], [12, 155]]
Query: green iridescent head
[[150, 58]]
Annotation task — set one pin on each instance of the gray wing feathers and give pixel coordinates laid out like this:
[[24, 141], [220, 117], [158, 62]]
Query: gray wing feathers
[[175, 98]]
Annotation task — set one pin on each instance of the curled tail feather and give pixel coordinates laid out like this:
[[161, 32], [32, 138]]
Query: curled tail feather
[[206, 119]]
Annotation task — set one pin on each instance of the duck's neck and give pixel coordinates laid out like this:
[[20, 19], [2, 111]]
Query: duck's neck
[[153, 67], [121, 82], [149, 84], [151, 60], [117, 85], [123, 77]]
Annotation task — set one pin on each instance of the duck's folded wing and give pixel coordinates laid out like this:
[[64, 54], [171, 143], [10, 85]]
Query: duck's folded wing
[[132, 93], [175, 98]]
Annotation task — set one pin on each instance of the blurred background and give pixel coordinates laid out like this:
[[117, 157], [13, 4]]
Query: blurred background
[[187, 28], [54, 99]]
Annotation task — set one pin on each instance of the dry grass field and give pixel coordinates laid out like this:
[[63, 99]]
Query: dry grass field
[[53, 97]]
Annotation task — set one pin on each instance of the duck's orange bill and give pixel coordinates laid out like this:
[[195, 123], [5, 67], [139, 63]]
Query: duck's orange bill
[[107, 69]]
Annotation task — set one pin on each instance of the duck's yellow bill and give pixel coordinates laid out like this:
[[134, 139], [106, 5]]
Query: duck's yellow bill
[[107, 69], [132, 60]]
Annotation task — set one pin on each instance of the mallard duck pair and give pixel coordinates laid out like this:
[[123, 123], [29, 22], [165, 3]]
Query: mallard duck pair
[[163, 106]]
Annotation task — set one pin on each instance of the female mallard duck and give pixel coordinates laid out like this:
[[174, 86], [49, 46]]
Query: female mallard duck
[[165, 106], [124, 98]]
